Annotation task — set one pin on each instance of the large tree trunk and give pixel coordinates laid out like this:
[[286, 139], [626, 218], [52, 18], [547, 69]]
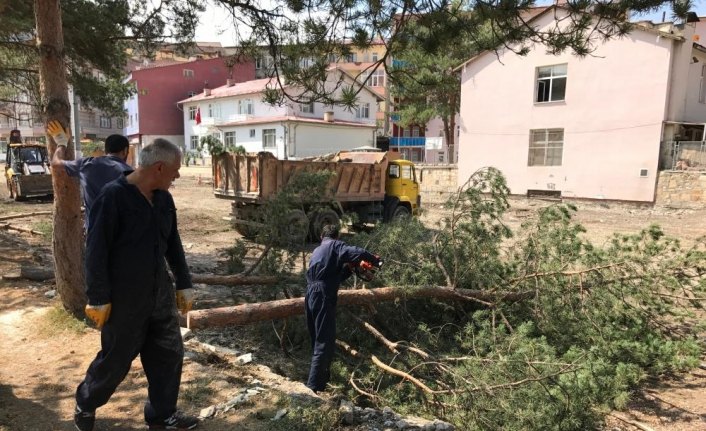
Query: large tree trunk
[[233, 280], [68, 236], [451, 140], [251, 313]]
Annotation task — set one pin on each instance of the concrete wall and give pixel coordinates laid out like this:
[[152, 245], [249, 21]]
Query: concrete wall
[[682, 189], [611, 116], [436, 183]]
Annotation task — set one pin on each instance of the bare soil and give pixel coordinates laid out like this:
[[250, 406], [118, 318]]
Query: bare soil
[[44, 353]]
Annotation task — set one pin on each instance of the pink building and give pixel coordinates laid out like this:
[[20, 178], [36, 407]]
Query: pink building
[[598, 127], [153, 111]]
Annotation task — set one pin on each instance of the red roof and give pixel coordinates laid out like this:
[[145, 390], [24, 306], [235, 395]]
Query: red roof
[[238, 89]]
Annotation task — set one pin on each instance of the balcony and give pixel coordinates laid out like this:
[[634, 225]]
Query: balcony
[[434, 143]]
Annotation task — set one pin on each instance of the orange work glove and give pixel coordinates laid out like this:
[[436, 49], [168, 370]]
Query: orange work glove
[[58, 133], [99, 314], [184, 300]]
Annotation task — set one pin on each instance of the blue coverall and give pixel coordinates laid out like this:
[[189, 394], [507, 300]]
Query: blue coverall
[[126, 247], [94, 173], [326, 272]]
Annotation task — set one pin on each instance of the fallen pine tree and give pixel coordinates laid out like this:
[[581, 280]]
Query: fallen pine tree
[[257, 312]]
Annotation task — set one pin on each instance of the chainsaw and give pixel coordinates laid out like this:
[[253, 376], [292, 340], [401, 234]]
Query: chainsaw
[[366, 270]]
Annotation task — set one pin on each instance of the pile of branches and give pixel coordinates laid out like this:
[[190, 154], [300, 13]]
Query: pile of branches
[[591, 324]]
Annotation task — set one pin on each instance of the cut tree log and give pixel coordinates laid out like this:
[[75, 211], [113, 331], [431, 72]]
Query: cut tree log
[[7, 226], [233, 280], [33, 273], [23, 215], [251, 313]]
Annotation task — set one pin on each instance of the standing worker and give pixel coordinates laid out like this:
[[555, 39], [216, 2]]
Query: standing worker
[[92, 172], [328, 268], [133, 228]]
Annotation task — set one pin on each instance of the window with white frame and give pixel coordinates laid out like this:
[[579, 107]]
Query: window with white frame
[[363, 110], [352, 58], [119, 122], [258, 63], [252, 133], [229, 138], [214, 110], [307, 108], [377, 78], [105, 122], [546, 147], [375, 56], [188, 73], [551, 83], [24, 120], [194, 142], [245, 107], [702, 85], [269, 138], [192, 112]]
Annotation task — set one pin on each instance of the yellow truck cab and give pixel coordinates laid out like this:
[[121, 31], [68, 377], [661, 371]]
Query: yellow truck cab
[[402, 184]]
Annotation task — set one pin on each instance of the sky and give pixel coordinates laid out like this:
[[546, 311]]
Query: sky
[[216, 25]]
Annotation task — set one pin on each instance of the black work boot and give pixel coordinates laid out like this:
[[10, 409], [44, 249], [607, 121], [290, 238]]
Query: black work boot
[[84, 420], [177, 421]]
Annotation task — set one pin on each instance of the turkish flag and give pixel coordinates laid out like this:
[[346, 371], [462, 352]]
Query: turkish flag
[[198, 115]]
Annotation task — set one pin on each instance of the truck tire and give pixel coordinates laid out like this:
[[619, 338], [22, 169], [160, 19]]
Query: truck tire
[[321, 218], [17, 191], [401, 213], [297, 227]]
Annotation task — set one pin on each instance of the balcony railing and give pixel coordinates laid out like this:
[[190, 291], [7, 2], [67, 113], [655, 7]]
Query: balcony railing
[[408, 142], [433, 143]]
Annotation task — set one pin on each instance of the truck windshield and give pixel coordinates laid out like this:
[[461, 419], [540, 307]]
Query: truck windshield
[[30, 155], [394, 171]]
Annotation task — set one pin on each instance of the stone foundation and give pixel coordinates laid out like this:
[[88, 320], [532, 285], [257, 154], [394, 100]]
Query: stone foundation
[[681, 189], [436, 183]]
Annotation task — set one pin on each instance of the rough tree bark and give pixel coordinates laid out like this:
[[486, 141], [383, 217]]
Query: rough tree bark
[[251, 313], [233, 280], [67, 240]]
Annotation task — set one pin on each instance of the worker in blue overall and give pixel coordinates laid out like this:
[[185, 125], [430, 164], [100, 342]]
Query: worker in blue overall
[[328, 268], [132, 237]]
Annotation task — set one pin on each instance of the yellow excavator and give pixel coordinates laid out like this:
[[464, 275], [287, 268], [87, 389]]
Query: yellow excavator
[[27, 169]]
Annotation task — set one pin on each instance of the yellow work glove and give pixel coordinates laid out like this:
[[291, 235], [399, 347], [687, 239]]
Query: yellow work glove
[[58, 133], [184, 300], [99, 314]]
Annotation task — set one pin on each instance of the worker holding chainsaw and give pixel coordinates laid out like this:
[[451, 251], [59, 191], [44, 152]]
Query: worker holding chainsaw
[[331, 263]]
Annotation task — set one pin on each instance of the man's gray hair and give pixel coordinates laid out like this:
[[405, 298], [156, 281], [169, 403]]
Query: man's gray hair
[[159, 150]]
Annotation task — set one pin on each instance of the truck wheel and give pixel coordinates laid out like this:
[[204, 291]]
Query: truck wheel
[[17, 191], [401, 213], [297, 227], [321, 218]]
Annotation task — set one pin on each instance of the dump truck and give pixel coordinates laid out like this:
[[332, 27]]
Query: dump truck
[[27, 169], [375, 186]]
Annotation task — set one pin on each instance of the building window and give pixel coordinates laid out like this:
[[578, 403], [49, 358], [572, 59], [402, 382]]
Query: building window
[[229, 138], [307, 108], [546, 147], [363, 111], [375, 56], [245, 107], [214, 110], [252, 133], [119, 122], [258, 63], [702, 85], [105, 122], [188, 73], [194, 142], [269, 138], [352, 58], [192, 112], [415, 131], [551, 83], [377, 79], [24, 120], [441, 158]]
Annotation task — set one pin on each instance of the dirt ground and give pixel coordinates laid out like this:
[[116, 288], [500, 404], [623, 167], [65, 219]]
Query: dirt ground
[[44, 354]]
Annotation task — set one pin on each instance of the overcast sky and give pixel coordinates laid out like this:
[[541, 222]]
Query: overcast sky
[[216, 25]]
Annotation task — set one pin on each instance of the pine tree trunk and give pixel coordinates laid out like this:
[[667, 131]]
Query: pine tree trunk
[[251, 313], [452, 132], [67, 240]]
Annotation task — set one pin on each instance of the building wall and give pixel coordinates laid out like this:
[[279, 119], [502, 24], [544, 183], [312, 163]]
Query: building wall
[[436, 183], [684, 77], [317, 139], [612, 118], [694, 110], [159, 89]]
